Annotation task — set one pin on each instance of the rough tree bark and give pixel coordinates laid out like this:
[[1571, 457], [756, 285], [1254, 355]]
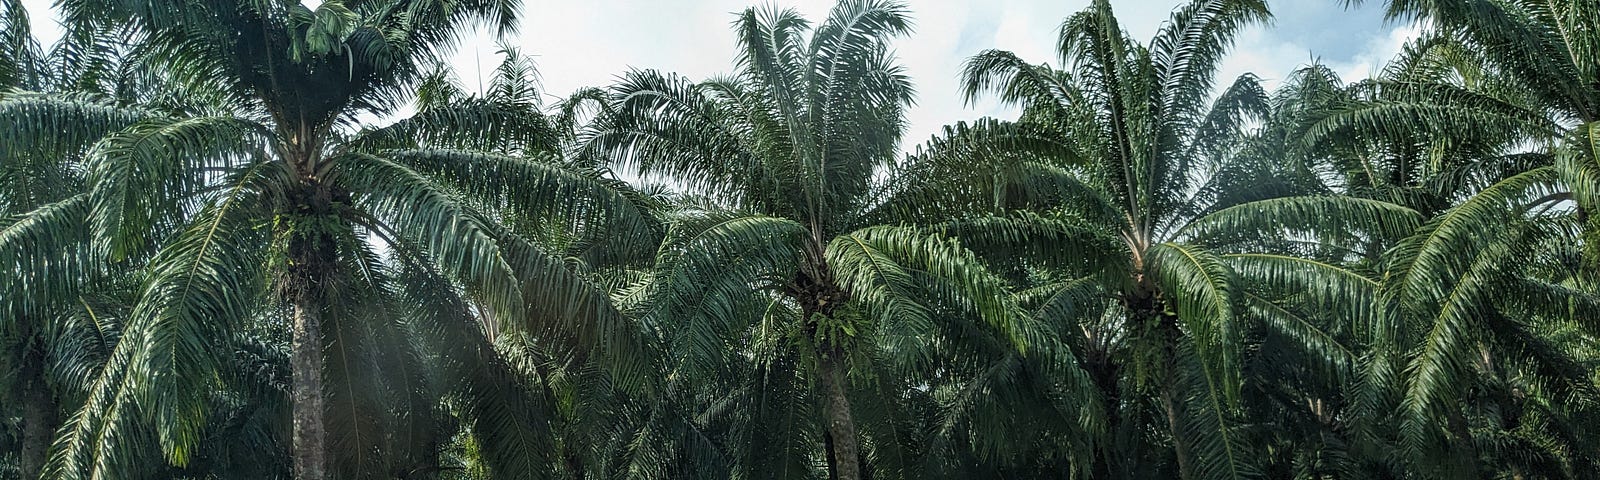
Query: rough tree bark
[[818, 299], [313, 255], [38, 407], [845, 455], [310, 432], [1174, 424], [1170, 402]]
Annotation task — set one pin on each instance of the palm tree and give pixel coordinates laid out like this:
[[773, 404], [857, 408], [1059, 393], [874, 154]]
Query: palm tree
[[1197, 266], [781, 268], [266, 203], [1535, 74], [32, 175], [1457, 134], [17, 57], [64, 311]]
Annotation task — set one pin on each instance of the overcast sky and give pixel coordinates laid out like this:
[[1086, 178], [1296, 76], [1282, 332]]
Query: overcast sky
[[579, 43]]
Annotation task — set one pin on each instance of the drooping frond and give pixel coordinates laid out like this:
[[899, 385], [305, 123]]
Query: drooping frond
[[1328, 218], [1443, 277], [1315, 340], [1018, 82], [1211, 429], [411, 205], [509, 423], [20, 55], [710, 272], [572, 313], [1201, 288], [1230, 114], [1439, 110], [1039, 241], [664, 125], [1317, 285], [1430, 261], [142, 178], [200, 287], [48, 251], [481, 124], [875, 265], [103, 434], [983, 166], [535, 188], [57, 125], [1580, 170]]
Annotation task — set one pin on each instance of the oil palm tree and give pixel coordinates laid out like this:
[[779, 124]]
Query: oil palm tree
[[24, 358], [269, 204], [781, 270], [64, 312], [1535, 74], [32, 175], [1196, 267], [1354, 429], [1454, 130]]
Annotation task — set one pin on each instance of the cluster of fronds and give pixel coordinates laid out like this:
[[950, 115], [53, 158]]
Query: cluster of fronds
[[208, 246]]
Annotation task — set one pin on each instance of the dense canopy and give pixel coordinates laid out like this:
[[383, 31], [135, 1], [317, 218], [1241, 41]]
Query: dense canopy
[[264, 240]]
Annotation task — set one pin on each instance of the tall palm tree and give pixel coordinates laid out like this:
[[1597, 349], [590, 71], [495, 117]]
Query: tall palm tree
[[32, 175], [23, 351], [1196, 265], [1354, 430], [782, 269], [65, 311], [1541, 53], [1457, 133], [270, 204]]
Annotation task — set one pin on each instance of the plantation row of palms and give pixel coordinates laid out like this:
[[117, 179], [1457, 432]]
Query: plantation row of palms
[[217, 266]]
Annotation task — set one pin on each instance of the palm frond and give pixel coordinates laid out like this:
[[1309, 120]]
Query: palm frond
[[873, 264], [1329, 218], [411, 205], [142, 178]]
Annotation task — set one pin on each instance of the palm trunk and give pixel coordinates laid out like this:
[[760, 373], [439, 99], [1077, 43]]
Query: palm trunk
[[818, 299], [312, 256], [310, 431], [1466, 446], [1174, 425], [1169, 399], [38, 408], [843, 451]]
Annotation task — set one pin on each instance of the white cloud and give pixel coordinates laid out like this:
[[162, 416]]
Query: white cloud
[[1377, 53]]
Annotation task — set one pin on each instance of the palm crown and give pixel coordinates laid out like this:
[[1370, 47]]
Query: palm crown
[[273, 201]]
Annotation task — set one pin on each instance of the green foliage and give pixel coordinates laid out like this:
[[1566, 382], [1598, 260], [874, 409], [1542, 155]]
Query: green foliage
[[1146, 274]]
